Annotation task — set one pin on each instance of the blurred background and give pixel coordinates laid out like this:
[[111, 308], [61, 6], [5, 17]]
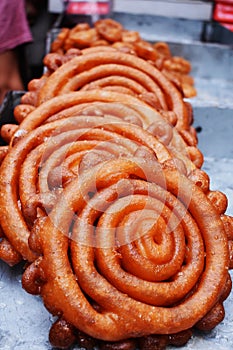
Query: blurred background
[[200, 31], [197, 30], [181, 21]]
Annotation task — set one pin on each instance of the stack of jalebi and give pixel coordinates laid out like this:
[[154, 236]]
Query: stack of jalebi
[[102, 193], [112, 34]]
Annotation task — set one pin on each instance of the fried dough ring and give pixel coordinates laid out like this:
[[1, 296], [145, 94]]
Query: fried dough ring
[[66, 105], [120, 315], [113, 35], [109, 29], [67, 78], [7, 252], [59, 103], [7, 131], [14, 174]]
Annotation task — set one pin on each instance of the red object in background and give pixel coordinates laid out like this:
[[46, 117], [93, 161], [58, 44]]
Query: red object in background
[[224, 1], [223, 13], [229, 26], [88, 8]]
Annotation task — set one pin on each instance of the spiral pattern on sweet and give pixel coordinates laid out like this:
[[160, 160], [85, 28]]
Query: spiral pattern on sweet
[[58, 151], [105, 103], [125, 70], [127, 252]]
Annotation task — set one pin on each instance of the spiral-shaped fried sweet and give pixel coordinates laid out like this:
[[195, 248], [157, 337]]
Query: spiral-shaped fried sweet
[[58, 151], [108, 33], [129, 108], [130, 71], [132, 249]]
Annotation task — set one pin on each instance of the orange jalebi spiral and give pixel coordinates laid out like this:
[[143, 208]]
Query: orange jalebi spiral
[[108, 33], [116, 104], [84, 69], [58, 150], [131, 249]]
